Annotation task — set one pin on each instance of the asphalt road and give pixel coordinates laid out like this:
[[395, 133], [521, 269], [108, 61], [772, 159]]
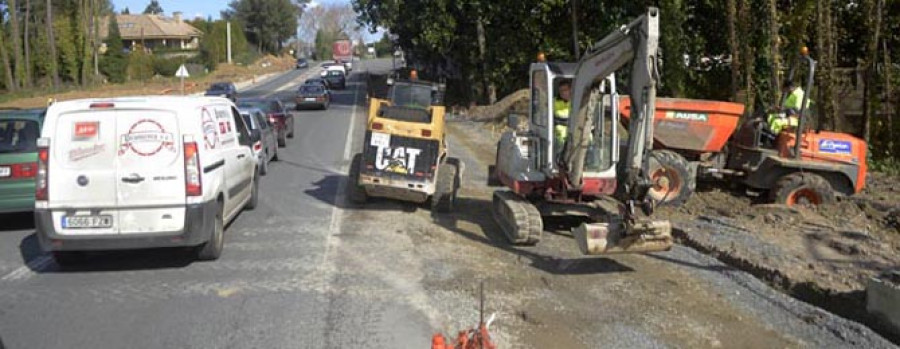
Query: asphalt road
[[307, 270], [270, 289]]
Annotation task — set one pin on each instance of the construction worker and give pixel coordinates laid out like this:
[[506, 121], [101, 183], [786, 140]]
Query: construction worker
[[561, 108], [787, 116]]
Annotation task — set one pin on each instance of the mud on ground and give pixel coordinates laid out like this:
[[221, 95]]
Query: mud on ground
[[822, 255]]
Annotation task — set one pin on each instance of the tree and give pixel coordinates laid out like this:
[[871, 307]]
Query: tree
[[7, 69], [51, 43], [153, 8], [18, 60], [126, 11], [267, 23], [114, 63]]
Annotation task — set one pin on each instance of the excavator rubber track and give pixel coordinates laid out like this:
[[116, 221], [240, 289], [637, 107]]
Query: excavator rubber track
[[520, 220]]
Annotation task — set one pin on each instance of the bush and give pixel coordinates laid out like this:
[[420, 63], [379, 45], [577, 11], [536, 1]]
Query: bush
[[140, 65], [166, 66]]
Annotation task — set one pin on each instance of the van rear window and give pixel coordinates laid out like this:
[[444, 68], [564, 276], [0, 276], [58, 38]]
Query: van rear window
[[19, 136]]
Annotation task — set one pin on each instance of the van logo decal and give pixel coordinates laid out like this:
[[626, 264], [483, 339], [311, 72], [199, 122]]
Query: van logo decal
[[77, 154], [85, 130], [146, 138], [209, 130]]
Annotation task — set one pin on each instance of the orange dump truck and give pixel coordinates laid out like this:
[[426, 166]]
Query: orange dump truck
[[700, 138]]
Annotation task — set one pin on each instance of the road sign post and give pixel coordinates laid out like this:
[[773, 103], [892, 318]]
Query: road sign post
[[182, 73]]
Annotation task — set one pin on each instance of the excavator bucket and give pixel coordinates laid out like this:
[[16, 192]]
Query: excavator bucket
[[642, 236]]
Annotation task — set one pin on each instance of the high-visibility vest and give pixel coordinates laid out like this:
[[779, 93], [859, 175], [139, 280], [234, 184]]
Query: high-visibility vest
[[778, 121], [560, 114], [795, 100]]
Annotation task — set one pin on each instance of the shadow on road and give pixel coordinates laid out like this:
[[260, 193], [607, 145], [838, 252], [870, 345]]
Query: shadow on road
[[478, 211], [124, 260], [16, 221], [326, 188]]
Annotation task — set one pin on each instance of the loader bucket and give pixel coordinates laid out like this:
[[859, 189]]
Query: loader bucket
[[641, 237]]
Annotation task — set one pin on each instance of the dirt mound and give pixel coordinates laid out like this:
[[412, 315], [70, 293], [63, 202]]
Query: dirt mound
[[835, 247]]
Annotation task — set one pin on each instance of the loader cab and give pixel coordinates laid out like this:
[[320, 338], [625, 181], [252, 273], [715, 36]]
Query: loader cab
[[602, 144]]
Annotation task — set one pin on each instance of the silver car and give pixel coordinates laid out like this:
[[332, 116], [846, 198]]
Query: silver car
[[262, 134]]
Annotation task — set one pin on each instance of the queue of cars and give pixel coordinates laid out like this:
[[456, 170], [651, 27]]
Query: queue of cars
[[141, 172]]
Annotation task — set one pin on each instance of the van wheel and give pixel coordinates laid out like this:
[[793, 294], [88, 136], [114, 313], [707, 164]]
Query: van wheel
[[673, 182], [444, 197], [356, 191], [802, 189], [68, 258], [212, 249], [254, 194]]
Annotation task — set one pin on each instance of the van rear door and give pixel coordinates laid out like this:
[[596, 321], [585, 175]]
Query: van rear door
[[82, 176], [149, 171]]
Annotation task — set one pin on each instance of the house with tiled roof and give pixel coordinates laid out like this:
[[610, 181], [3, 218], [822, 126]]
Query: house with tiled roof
[[156, 32]]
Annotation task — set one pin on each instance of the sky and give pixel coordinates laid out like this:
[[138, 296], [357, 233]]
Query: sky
[[192, 8]]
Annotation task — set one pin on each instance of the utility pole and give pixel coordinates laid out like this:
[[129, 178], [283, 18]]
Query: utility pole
[[228, 39]]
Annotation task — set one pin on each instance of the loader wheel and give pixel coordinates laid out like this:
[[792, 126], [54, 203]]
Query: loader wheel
[[356, 191], [444, 197], [673, 182], [802, 189]]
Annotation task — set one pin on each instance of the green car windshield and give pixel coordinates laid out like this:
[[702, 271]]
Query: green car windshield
[[19, 136]]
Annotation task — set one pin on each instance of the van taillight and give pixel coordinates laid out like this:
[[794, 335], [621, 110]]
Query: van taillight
[[257, 146], [193, 186], [42, 181], [426, 133], [377, 126]]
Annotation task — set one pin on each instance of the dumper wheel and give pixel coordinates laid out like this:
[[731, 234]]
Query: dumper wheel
[[802, 189], [444, 197], [673, 182], [356, 191]]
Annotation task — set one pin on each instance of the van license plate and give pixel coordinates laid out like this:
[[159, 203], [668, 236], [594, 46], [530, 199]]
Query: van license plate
[[75, 222], [310, 99], [4, 171]]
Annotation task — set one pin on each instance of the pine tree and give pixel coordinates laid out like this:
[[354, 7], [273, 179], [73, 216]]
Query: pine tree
[[114, 63]]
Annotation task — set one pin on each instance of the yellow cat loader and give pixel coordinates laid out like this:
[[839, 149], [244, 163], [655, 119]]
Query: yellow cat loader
[[404, 153]]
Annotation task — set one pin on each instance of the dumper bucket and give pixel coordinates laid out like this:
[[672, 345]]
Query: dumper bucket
[[691, 124]]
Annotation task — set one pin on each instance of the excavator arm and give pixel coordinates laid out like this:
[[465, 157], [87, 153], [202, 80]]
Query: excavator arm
[[635, 43]]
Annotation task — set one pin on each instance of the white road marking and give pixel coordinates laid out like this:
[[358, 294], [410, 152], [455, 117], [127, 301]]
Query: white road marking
[[28, 270], [336, 211]]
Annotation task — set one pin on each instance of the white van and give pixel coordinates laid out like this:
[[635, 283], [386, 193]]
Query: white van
[[141, 172]]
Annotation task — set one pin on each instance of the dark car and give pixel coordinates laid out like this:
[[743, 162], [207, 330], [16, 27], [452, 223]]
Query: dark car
[[222, 89], [313, 96], [302, 63], [262, 133], [277, 114], [316, 81], [336, 79]]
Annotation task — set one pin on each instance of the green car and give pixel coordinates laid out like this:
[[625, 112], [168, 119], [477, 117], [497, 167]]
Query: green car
[[19, 131]]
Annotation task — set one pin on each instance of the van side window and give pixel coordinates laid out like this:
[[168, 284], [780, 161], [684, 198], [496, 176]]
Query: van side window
[[241, 128]]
